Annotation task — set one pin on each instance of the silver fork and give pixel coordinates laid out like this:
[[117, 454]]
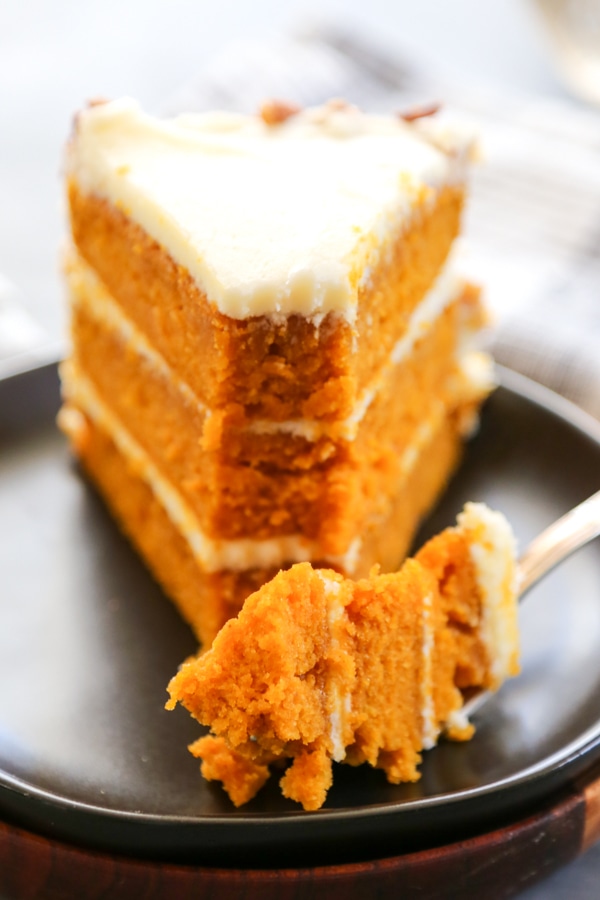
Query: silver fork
[[572, 531]]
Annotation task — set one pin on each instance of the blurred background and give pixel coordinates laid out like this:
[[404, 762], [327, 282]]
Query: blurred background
[[524, 73]]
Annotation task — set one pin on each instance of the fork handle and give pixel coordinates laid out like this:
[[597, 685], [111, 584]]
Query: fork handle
[[562, 538]]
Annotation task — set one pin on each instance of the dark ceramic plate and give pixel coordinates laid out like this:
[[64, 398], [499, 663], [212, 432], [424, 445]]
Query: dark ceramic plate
[[88, 643]]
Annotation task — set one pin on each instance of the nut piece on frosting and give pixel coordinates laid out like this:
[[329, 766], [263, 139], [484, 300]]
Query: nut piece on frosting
[[419, 112], [318, 668], [275, 112]]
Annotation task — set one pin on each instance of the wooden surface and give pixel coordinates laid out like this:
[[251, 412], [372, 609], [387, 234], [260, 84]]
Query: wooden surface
[[590, 789], [497, 864]]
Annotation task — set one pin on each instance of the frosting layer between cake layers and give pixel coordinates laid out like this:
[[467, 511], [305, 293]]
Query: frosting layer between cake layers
[[317, 668], [155, 419], [274, 359]]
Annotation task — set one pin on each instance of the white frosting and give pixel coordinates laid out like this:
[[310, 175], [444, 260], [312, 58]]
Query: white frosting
[[88, 290], [339, 701], [216, 554], [267, 219], [332, 589], [212, 554], [429, 728], [493, 551], [349, 561], [478, 370]]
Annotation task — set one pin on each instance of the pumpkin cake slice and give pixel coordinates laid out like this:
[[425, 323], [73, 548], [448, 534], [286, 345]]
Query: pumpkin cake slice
[[275, 352], [317, 668]]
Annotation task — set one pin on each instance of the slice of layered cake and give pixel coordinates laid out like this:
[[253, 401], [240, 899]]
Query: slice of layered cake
[[273, 350], [318, 668]]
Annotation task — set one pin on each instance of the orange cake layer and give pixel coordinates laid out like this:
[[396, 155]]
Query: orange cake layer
[[208, 595], [271, 369], [317, 668], [272, 348], [206, 600], [243, 483]]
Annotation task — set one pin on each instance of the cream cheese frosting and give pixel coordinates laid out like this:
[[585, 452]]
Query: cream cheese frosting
[[493, 552], [216, 190], [338, 697], [429, 726], [213, 554], [88, 291]]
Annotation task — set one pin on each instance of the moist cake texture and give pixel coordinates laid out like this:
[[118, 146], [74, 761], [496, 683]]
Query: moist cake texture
[[274, 351], [317, 668]]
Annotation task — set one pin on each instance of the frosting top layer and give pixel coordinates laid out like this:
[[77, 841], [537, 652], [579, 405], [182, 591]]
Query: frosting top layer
[[268, 219]]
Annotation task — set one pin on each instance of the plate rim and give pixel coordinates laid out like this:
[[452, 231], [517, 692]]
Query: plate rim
[[575, 755]]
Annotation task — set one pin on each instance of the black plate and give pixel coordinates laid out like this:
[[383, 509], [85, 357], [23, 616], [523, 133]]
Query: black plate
[[88, 643]]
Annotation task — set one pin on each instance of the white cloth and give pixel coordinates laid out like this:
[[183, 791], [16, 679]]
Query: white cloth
[[533, 223]]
